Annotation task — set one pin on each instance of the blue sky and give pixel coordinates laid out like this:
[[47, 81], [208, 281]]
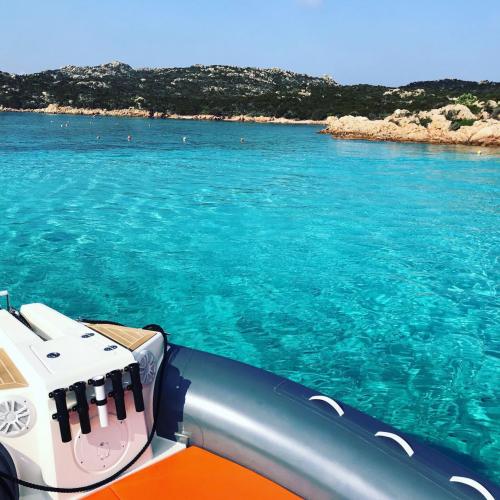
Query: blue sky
[[355, 41]]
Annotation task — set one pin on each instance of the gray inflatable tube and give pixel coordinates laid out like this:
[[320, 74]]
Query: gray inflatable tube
[[318, 449], [8, 489]]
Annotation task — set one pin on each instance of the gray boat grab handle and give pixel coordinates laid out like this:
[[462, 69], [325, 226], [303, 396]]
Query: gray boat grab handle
[[398, 439]]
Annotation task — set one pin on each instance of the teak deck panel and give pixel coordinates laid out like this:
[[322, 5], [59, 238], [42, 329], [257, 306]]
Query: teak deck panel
[[128, 337], [10, 376]]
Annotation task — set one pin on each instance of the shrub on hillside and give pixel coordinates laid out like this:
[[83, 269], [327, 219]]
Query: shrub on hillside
[[470, 101], [456, 124], [424, 122], [467, 99], [319, 114]]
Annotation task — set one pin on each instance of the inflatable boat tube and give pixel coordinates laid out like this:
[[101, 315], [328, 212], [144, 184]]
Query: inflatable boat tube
[[8, 489], [312, 445]]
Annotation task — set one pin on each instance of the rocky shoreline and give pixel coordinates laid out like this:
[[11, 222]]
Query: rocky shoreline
[[452, 124], [140, 113]]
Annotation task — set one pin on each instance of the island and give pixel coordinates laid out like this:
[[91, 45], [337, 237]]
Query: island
[[446, 111]]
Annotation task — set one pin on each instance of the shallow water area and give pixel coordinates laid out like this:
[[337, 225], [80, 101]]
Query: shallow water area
[[366, 270]]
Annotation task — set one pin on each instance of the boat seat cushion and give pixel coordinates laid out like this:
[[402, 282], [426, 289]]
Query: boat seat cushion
[[51, 324], [13, 329], [194, 474]]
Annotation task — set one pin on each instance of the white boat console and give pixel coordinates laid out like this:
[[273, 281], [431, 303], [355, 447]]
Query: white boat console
[[76, 404]]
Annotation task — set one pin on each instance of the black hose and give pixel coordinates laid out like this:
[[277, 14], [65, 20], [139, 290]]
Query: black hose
[[43, 487]]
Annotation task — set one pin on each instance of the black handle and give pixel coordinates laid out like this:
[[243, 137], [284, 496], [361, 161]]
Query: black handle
[[136, 386], [82, 405], [118, 394], [62, 415]]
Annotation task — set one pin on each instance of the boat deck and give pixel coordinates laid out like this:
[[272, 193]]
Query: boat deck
[[194, 473]]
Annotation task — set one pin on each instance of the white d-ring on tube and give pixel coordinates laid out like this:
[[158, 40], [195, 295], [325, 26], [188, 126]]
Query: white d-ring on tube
[[330, 401], [473, 484], [408, 449]]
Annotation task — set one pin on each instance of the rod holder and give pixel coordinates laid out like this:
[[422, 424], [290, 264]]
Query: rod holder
[[136, 385], [100, 399], [62, 415], [117, 393], [82, 405]]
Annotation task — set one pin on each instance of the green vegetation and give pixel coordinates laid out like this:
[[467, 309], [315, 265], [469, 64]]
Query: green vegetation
[[229, 91], [456, 124], [470, 101], [467, 99], [425, 122]]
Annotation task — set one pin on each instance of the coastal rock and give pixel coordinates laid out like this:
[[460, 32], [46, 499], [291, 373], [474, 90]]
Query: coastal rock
[[68, 110], [426, 126], [52, 108], [458, 112], [141, 113], [362, 127], [487, 135], [400, 113]]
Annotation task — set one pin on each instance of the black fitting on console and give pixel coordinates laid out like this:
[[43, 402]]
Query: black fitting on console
[[62, 415], [117, 393], [136, 385], [82, 405]]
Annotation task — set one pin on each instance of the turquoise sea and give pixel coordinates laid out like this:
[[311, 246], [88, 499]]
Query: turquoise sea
[[369, 271]]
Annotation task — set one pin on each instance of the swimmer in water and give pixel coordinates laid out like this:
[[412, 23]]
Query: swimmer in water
[[98, 137], [129, 138], [242, 140], [184, 139]]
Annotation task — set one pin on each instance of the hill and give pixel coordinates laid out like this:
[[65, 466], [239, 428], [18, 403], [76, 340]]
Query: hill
[[226, 91]]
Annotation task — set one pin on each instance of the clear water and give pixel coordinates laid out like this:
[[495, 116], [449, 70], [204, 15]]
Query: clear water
[[369, 271]]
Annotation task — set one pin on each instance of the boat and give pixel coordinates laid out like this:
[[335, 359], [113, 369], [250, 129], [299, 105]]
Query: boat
[[95, 409]]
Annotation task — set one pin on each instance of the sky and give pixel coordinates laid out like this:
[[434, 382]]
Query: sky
[[389, 42]]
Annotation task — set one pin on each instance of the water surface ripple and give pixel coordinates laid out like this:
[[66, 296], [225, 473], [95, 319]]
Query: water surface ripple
[[369, 271]]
